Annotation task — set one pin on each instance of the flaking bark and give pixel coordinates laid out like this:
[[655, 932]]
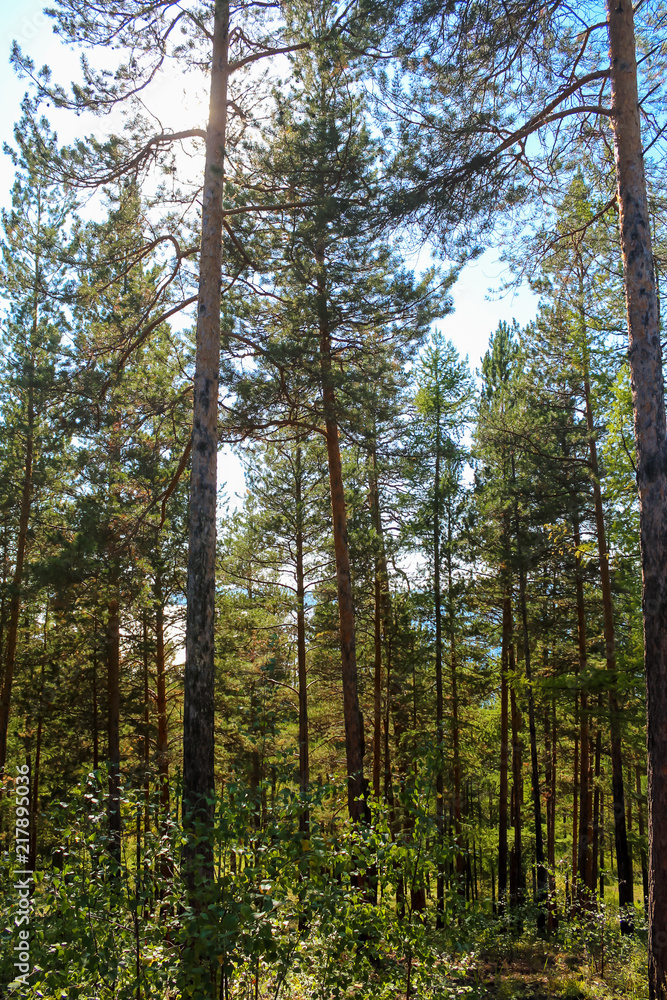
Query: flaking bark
[[198, 708]]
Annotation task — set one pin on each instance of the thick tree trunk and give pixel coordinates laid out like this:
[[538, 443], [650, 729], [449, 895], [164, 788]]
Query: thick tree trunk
[[645, 357], [198, 691]]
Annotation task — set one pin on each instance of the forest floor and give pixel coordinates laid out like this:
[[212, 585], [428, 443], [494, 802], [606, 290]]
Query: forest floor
[[539, 970]]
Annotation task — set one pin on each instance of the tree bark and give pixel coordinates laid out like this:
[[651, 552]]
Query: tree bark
[[379, 618], [584, 739], [113, 719], [504, 755], [517, 874], [597, 803], [96, 737], [532, 729], [198, 692], [439, 720], [645, 358], [575, 803], [161, 698], [552, 914], [642, 832], [456, 755], [304, 766], [17, 578], [147, 733], [354, 737], [623, 859]]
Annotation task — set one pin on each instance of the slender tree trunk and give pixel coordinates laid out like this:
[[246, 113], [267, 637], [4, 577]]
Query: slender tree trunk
[[34, 801], [304, 766], [456, 755], [532, 729], [517, 874], [623, 859], [575, 803], [504, 754], [113, 719], [379, 621], [602, 833], [551, 816], [161, 698], [642, 832], [597, 802], [96, 727], [3, 599], [645, 357], [354, 736], [147, 734], [15, 600], [582, 851], [198, 689], [439, 705], [388, 789]]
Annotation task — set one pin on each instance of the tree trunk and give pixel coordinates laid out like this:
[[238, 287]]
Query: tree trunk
[[439, 719], [504, 755], [96, 729], [623, 859], [15, 600], [354, 736], [161, 699], [381, 597], [532, 729], [34, 800], [645, 357], [198, 689], [304, 767], [584, 737], [601, 835], [147, 733], [517, 875], [456, 755], [551, 749], [575, 803], [597, 801], [642, 831], [113, 719]]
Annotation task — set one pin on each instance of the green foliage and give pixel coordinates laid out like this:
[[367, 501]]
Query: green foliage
[[290, 911]]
